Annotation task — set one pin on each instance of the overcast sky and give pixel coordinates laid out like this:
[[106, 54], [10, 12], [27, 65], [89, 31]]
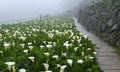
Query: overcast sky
[[23, 9]]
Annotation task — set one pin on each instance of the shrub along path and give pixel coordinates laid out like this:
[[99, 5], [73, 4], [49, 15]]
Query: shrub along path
[[108, 59]]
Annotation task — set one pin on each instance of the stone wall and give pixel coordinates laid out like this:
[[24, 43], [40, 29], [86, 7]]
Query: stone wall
[[103, 20]]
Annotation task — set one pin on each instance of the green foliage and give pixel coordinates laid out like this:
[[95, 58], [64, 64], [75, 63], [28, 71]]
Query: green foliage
[[33, 43]]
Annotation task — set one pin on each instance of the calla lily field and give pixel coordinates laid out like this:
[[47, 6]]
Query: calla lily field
[[46, 45]]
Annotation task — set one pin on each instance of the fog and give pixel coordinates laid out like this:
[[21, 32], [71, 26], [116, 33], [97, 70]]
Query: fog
[[11, 10]]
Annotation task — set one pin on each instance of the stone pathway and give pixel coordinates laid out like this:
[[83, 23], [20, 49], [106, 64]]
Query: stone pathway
[[108, 60]]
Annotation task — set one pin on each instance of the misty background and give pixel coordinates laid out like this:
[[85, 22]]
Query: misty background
[[18, 10]]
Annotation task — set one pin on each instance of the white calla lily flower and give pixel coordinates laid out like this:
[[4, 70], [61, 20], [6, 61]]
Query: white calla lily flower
[[70, 62], [42, 46], [64, 54], [30, 43], [55, 56], [80, 61], [58, 65], [22, 70], [1, 52], [95, 53], [48, 71], [31, 47], [76, 48], [26, 51], [6, 45], [83, 53], [62, 68], [22, 45], [10, 64], [91, 57], [23, 38], [46, 66], [49, 46], [89, 49], [31, 58], [47, 54], [85, 36]]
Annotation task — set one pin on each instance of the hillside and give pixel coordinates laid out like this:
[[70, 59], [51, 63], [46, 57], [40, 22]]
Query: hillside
[[102, 19]]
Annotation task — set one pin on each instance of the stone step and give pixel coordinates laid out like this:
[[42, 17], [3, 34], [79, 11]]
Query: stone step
[[111, 70]]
